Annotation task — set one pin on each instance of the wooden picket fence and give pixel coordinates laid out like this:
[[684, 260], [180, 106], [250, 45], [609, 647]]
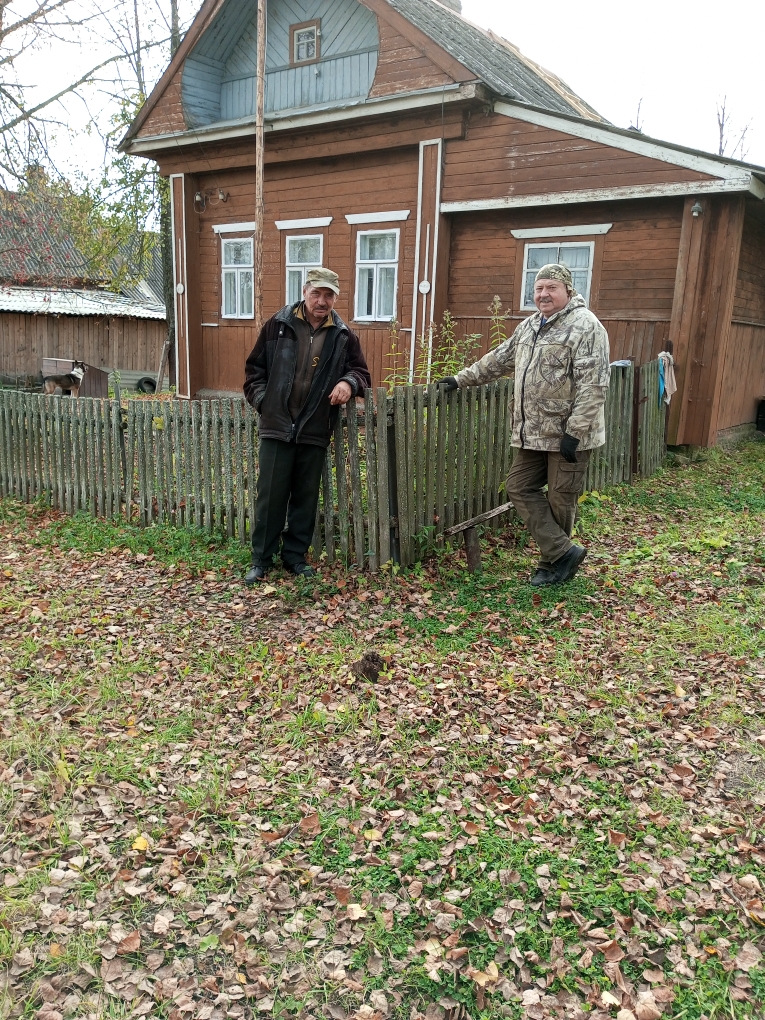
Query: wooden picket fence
[[399, 471], [650, 439]]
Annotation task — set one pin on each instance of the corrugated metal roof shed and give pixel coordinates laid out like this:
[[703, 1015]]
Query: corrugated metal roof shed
[[51, 301]]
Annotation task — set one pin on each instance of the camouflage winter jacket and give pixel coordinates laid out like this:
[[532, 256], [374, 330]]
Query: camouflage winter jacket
[[561, 377]]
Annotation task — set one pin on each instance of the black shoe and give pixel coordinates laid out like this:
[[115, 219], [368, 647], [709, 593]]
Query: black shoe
[[542, 576], [565, 568], [301, 569], [254, 575]]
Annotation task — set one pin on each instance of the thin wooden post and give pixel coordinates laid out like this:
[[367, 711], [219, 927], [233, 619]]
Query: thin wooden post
[[329, 507], [342, 491], [402, 479], [260, 104], [354, 461], [383, 493], [373, 520]]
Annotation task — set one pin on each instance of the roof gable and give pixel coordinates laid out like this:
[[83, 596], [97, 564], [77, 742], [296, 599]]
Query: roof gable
[[369, 48]]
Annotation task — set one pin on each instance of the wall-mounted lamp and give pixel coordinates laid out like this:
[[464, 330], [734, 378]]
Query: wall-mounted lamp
[[222, 195], [697, 210], [200, 202]]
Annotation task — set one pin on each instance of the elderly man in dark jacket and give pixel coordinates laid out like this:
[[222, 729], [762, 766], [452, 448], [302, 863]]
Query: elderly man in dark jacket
[[305, 364]]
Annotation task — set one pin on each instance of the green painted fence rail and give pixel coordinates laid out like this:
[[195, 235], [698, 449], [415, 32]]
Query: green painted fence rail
[[399, 471]]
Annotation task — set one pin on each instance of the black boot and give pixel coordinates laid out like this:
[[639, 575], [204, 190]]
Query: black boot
[[254, 576]]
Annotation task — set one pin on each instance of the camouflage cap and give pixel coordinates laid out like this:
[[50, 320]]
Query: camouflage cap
[[556, 271], [323, 278]]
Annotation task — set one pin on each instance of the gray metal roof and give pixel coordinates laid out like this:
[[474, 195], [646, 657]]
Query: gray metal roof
[[492, 59], [55, 301]]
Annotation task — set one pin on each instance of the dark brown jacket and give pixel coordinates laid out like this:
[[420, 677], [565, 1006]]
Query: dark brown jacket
[[270, 372]]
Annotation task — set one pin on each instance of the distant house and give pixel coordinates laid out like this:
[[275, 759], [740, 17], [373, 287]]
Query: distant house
[[433, 166], [53, 305]]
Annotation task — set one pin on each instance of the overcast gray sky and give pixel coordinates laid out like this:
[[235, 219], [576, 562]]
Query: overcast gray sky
[[680, 57]]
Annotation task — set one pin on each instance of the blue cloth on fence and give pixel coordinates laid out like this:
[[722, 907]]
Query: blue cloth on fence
[[661, 380]]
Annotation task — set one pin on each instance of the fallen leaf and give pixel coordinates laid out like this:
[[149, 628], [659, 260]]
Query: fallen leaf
[[130, 944], [140, 843], [646, 1007], [612, 951], [355, 911], [750, 882], [748, 956], [609, 1000], [342, 894], [616, 838], [310, 825]]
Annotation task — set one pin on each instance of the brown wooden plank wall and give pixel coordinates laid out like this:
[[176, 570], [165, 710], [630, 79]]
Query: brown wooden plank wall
[[743, 375], [502, 156], [749, 303], [401, 67], [352, 184], [167, 114], [634, 269], [639, 340], [127, 344]]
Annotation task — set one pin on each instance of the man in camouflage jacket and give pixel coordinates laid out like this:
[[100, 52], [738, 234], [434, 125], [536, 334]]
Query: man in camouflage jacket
[[560, 357]]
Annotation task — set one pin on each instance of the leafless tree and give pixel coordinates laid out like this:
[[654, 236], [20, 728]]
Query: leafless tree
[[728, 136]]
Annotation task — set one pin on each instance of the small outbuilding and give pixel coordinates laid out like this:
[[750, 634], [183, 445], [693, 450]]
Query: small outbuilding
[[53, 304], [433, 166]]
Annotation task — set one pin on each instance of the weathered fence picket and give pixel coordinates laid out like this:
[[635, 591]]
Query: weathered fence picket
[[400, 469]]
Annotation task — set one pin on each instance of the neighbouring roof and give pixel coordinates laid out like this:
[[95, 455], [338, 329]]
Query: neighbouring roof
[[76, 301], [497, 62], [37, 251]]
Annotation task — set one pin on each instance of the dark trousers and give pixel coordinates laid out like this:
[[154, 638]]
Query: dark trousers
[[289, 477], [549, 516]]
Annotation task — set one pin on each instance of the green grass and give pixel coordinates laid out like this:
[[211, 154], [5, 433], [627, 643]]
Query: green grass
[[603, 687]]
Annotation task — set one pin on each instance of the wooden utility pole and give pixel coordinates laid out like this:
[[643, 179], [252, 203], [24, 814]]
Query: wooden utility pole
[[260, 103]]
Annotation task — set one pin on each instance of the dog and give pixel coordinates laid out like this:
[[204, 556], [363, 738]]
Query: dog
[[69, 382]]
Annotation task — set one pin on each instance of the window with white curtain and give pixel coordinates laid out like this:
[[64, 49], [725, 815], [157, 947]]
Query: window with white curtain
[[304, 253], [237, 278], [376, 274], [577, 255]]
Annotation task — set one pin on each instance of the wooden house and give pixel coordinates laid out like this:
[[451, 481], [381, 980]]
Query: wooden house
[[433, 166]]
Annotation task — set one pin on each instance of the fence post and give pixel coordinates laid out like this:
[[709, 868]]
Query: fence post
[[635, 421], [395, 547]]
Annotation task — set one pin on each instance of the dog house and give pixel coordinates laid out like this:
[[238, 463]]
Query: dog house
[[95, 383]]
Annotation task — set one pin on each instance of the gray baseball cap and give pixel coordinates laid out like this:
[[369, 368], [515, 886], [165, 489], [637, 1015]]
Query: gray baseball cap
[[323, 278]]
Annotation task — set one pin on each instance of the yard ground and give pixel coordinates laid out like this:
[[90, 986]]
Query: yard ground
[[548, 805]]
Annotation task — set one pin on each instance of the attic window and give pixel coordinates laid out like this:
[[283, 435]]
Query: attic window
[[305, 42]]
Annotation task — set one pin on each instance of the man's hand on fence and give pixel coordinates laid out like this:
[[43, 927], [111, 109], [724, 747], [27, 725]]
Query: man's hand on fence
[[341, 394], [447, 383], [568, 447]]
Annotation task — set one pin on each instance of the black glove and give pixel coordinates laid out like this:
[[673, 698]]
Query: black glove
[[568, 447], [447, 383]]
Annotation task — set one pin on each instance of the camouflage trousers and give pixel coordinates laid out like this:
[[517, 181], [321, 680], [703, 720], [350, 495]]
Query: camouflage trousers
[[549, 516]]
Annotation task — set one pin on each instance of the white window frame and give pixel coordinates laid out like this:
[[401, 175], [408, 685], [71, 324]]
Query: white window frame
[[377, 265], [295, 30], [548, 243], [305, 267], [237, 271]]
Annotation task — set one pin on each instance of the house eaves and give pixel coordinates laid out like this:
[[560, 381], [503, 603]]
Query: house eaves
[[290, 120], [636, 142]]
